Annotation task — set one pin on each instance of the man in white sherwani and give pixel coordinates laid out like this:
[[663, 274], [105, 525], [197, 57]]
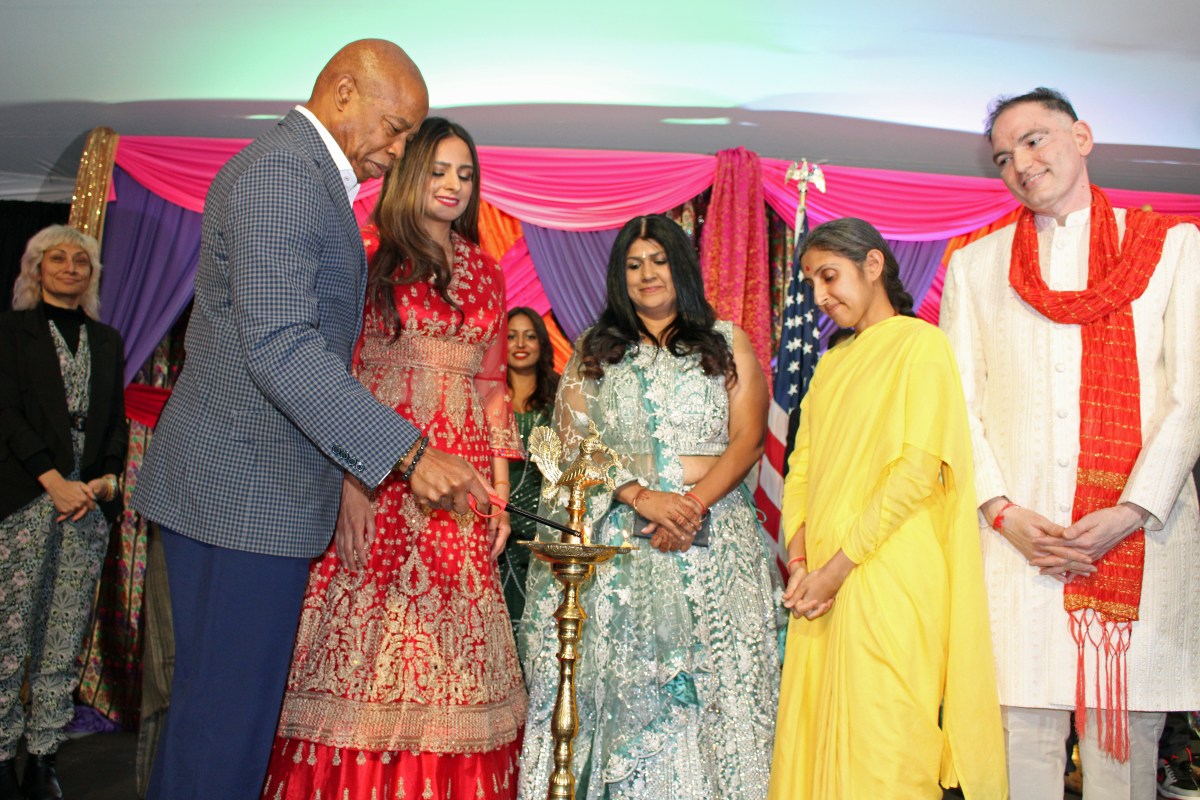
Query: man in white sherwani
[[1065, 517]]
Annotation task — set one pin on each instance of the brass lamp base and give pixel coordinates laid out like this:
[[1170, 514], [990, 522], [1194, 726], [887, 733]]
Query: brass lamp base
[[572, 560], [572, 564]]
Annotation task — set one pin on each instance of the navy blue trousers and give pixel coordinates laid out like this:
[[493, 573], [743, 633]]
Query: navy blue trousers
[[235, 616]]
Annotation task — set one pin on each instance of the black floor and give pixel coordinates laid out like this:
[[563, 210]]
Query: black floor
[[98, 767]]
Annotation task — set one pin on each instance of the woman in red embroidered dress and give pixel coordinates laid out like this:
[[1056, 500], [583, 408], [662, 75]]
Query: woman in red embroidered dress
[[405, 681]]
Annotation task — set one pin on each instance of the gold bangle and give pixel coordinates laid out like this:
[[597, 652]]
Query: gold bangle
[[113, 487], [501, 483], [637, 498]]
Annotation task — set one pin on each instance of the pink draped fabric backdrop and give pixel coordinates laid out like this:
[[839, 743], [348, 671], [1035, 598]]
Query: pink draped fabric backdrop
[[733, 250], [596, 190]]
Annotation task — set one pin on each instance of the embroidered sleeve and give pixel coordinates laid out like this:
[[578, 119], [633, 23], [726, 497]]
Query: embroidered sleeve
[[491, 382]]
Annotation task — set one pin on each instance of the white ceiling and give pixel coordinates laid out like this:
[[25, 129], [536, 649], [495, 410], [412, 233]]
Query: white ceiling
[[901, 85]]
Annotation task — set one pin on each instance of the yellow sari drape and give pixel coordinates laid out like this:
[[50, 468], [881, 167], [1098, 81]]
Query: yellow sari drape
[[908, 633]]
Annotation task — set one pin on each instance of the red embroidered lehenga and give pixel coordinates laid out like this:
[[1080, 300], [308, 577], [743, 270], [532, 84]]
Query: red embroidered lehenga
[[405, 681]]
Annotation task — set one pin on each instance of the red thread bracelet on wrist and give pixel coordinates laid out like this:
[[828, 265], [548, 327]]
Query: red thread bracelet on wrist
[[691, 496], [801, 559], [998, 521]]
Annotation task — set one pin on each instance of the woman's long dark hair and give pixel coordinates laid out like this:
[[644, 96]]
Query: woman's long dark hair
[[545, 378], [619, 327], [853, 238], [407, 254]]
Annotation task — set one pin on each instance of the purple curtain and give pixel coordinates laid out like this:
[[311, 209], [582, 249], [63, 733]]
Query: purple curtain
[[919, 263], [151, 248], [572, 267]]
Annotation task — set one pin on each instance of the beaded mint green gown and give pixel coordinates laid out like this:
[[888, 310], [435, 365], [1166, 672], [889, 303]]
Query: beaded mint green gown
[[679, 675]]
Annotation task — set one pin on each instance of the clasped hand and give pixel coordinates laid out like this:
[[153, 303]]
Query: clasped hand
[[1066, 553], [811, 594], [72, 499], [674, 520]]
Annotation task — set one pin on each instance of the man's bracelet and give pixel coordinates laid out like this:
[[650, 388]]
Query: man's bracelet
[[406, 474], [998, 522]]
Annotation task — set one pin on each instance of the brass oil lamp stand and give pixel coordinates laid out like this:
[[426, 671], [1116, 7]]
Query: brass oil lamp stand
[[572, 559]]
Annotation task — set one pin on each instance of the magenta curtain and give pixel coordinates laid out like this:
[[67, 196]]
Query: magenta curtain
[[564, 189], [733, 250], [176, 168], [165, 179], [589, 190], [597, 189], [914, 206], [521, 284]]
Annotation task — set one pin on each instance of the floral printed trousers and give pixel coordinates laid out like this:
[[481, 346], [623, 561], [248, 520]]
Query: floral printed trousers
[[48, 574]]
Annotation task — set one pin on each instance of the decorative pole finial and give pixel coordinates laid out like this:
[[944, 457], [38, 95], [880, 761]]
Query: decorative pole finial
[[804, 174]]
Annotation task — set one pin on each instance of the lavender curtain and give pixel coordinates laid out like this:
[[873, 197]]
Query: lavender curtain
[[919, 263], [151, 248], [572, 266]]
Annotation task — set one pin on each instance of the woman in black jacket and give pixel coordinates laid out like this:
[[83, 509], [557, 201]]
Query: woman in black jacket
[[62, 444]]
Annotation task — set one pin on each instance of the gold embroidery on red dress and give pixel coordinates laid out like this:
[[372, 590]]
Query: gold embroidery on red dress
[[415, 652]]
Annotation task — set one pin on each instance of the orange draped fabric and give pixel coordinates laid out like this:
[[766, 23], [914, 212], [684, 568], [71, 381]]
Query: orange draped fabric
[[498, 231], [965, 239]]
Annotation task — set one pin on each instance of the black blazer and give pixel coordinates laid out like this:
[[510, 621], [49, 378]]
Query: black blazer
[[33, 407]]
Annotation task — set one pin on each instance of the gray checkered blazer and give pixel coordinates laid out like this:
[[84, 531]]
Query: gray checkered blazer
[[250, 449]]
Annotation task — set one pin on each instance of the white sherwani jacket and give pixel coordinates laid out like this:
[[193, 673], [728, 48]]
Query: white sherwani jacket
[[1021, 377]]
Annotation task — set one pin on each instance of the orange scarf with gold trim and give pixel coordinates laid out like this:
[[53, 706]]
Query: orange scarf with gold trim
[[1104, 605]]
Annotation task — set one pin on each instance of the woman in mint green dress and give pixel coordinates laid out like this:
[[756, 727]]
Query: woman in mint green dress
[[679, 672]]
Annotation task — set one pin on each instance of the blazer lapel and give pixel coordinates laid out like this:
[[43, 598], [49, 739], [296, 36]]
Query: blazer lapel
[[46, 381], [333, 182], [312, 143]]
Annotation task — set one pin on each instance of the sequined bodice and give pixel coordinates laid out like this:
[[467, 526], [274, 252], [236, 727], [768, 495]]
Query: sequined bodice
[[693, 408]]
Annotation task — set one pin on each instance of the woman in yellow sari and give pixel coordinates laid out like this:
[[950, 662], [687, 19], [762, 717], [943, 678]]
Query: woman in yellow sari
[[890, 621]]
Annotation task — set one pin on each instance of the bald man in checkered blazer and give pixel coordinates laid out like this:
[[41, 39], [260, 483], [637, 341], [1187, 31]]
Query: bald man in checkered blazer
[[244, 470]]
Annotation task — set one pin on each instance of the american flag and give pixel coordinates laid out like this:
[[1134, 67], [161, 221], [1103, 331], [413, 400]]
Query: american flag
[[793, 370]]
